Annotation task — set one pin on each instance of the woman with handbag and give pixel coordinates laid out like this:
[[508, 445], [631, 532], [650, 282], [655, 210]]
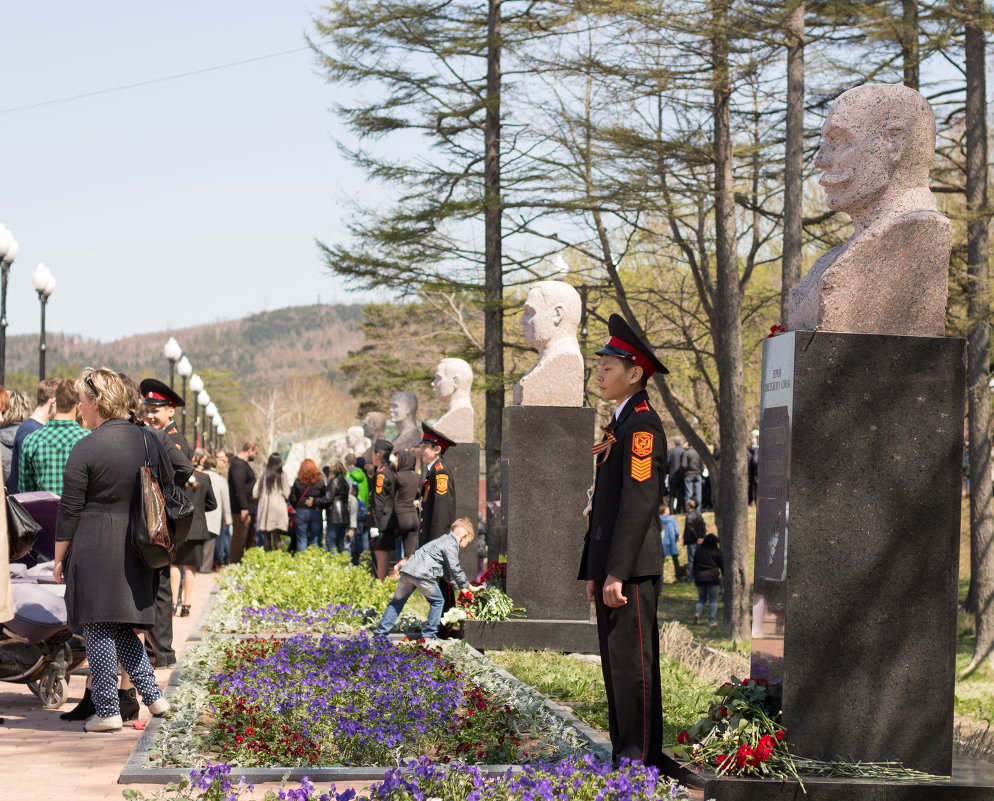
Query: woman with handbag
[[109, 590]]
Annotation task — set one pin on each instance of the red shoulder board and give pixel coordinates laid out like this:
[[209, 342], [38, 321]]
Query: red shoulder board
[[643, 407]]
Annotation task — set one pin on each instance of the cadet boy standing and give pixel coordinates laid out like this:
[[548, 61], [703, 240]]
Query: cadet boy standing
[[622, 560], [438, 495]]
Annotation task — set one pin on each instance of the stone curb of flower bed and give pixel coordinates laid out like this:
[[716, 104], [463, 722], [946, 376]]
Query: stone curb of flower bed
[[137, 771]]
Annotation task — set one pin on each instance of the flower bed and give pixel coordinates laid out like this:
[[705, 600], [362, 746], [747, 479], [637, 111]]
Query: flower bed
[[354, 700]]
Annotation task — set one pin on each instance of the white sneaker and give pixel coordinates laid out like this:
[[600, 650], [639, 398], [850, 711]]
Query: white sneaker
[[97, 723], [159, 708]]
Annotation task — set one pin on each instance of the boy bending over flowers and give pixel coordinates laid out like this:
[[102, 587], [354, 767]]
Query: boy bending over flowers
[[432, 561]]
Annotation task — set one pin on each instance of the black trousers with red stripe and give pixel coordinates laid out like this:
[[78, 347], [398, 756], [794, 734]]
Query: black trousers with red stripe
[[629, 643]]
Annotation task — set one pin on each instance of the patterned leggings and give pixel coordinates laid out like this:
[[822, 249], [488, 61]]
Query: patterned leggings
[[106, 645]]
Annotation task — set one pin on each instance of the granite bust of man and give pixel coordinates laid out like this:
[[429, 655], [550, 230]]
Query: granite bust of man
[[373, 426], [549, 322], [403, 413], [355, 440], [453, 380], [891, 276]]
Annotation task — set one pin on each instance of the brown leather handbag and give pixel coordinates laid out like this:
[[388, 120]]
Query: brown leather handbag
[[151, 534]]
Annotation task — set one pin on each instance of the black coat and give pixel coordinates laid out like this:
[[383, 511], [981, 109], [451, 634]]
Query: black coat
[[438, 503], [199, 491], [693, 528], [708, 562], [241, 482], [381, 499], [623, 529], [299, 491], [336, 500], [106, 582]]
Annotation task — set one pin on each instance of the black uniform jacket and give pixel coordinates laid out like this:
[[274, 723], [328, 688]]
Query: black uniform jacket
[[179, 442], [381, 496], [623, 529], [438, 503]]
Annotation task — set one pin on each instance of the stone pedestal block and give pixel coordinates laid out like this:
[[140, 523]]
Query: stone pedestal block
[[546, 468], [857, 542], [463, 462]]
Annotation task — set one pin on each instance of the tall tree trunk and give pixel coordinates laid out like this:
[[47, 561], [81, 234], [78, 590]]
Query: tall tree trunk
[[909, 42], [493, 314], [793, 193], [732, 478], [978, 340]]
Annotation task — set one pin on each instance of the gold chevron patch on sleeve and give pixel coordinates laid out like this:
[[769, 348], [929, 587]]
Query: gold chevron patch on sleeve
[[641, 468]]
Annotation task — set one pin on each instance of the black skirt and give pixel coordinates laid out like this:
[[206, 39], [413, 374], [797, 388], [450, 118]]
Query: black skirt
[[190, 554]]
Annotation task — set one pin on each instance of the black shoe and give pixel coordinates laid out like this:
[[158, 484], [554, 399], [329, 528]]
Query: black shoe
[[128, 700], [83, 709]]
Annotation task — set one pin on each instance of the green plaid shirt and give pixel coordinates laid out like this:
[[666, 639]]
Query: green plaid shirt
[[45, 453]]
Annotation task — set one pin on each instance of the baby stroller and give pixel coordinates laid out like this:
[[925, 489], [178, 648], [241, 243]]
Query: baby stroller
[[37, 647]]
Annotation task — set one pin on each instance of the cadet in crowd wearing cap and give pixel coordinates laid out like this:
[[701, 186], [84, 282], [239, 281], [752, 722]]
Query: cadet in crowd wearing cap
[[622, 560], [438, 496], [381, 495], [159, 403]]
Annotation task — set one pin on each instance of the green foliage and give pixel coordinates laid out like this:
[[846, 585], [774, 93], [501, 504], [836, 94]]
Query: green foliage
[[310, 580]]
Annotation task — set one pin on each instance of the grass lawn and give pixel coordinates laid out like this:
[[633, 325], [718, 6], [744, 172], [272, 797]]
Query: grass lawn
[[578, 684]]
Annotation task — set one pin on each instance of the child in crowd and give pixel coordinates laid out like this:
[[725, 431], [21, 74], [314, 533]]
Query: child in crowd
[[432, 561]]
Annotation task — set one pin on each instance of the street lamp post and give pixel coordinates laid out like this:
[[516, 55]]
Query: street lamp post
[[44, 283], [202, 400], [211, 412], [185, 369], [221, 431], [8, 252], [196, 386], [217, 427], [172, 351]]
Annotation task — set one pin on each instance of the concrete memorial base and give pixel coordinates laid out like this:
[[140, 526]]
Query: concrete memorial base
[[857, 544], [463, 462], [546, 468]]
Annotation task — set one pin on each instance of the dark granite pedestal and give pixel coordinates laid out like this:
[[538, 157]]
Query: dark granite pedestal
[[971, 780], [857, 544], [546, 470], [463, 462]]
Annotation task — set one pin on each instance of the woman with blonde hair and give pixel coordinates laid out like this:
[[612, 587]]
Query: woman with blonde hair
[[307, 520], [109, 590]]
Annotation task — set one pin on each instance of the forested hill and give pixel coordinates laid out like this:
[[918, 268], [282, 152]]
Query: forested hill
[[259, 349]]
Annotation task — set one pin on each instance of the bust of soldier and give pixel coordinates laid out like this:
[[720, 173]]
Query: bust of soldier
[[549, 322], [453, 379], [403, 414], [891, 276], [373, 426]]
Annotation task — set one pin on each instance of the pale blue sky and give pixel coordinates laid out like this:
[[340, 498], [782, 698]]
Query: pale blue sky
[[172, 204]]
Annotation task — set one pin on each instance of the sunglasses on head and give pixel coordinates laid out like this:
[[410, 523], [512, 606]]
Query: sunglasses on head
[[89, 382]]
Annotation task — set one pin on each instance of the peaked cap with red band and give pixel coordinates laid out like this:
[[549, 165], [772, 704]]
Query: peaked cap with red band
[[432, 437], [155, 393], [626, 345]]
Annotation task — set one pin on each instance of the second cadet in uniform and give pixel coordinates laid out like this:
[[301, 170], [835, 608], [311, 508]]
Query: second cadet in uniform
[[381, 510], [159, 403], [622, 560]]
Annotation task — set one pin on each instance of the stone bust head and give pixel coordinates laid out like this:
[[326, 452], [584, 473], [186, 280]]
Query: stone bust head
[[403, 407], [453, 380], [549, 322], [551, 312], [891, 275], [355, 439], [878, 144], [373, 425]]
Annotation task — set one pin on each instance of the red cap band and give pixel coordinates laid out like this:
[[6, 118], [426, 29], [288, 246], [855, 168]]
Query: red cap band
[[157, 396], [637, 356], [441, 443]]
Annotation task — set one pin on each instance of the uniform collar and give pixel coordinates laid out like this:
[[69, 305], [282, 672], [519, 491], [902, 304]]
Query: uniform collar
[[626, 407]]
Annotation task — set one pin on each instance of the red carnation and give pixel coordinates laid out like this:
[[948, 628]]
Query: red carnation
[[683, 737], [722, 759], [723, 712], [744, 754], [780, 735]]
